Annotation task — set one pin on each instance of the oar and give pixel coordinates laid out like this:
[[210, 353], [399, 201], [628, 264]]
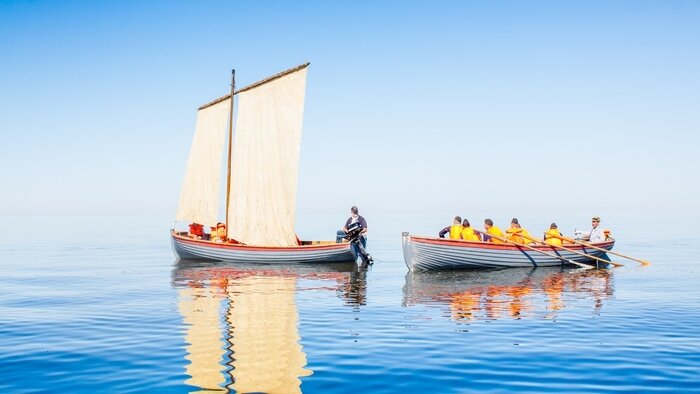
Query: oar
[[642, 262], [556, 256], [575, 251]]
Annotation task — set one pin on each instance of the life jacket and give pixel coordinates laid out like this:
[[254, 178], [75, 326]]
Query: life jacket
[[527, 237], [468, 234], [549, 237], [493, 230], [196, 230], [218, 234], [455, 231], [221, 232], [515, 235]]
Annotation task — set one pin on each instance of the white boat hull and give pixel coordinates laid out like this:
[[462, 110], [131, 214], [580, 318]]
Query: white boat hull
[[192, 249], [428, 253]]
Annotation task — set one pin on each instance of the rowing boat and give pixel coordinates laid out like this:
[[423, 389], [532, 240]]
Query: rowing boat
[[430, 253]]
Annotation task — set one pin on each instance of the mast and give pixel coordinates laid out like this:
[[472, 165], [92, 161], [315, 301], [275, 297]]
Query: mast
[[230, 143]]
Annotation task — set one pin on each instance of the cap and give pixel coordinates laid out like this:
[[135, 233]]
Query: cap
[[353, 209], [596, 218], [553, 225]]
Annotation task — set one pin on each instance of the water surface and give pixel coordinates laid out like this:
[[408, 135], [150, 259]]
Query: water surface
[[113, 311]]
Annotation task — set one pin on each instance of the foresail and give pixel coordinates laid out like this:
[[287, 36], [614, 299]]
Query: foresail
[[199, 198], [266, 161]]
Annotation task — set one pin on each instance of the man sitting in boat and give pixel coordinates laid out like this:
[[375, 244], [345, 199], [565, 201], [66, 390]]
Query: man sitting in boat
[[596, 234], [354, 218], [518, 234], [551, 236], [455, 229], [468, 233], [196, 231], [218, 233], [492, 230]]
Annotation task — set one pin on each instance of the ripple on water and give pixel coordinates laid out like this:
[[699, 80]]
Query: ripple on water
[[120, 316]]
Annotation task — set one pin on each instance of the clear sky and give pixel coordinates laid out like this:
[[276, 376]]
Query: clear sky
[[411, 106]]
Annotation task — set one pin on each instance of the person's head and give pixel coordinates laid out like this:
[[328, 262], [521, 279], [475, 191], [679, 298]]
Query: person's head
[[219, 225], [457, 220], [553, 226], [595, 221], [514, 223], [354, 211], [488, 223], [465, 223]]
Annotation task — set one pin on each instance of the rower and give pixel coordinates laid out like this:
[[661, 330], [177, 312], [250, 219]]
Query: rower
[[468, 233], [455, 229], [492, 230], [551, 236]]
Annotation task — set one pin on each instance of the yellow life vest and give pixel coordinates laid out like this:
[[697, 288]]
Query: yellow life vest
[[493, 230], [455, 231], [514, 234], [468, 234], [218, 234], [527, 237], [549, 237]]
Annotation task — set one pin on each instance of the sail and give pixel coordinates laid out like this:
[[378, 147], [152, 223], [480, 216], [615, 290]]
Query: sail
[[199, 198], [266, 161]]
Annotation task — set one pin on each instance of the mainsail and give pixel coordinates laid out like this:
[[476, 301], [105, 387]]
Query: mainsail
[[266, 160], [199, 198]]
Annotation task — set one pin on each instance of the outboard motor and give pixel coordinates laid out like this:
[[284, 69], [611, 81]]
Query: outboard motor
[[354, 236]]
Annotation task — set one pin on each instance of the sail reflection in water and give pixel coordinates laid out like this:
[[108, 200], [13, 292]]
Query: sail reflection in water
[[514, 293], [242, 323]]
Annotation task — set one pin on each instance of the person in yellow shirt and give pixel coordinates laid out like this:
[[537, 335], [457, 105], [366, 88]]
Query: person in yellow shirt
[[515, 232], [518, 234], [551, 235], [492, 230], [468, 233], [455, 229]]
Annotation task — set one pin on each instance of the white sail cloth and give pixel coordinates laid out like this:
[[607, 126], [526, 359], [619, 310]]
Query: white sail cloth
[[266, 160], [199, 198]]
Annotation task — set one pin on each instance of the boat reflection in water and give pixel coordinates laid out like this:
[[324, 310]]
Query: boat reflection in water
[[510, 293], [242, 323]]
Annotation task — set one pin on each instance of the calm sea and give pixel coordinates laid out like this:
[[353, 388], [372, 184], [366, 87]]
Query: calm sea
[[101, 305]]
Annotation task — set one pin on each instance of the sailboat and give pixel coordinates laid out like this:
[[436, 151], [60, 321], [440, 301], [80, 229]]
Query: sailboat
[[262, 165]]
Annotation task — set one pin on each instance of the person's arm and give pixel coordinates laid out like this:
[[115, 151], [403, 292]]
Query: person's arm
[[444, 231], [347, 223], [363, 223]]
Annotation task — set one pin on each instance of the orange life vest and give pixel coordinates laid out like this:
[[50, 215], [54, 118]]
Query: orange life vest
[[515, 235], [196, 230]]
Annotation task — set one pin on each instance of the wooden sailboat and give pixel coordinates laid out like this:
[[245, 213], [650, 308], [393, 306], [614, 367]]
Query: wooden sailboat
[[261, 177]]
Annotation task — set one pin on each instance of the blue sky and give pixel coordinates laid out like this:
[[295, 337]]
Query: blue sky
[[434, 106]]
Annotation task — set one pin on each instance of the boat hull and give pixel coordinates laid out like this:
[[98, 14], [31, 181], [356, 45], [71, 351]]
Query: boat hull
[[186, 248], [427, 253]]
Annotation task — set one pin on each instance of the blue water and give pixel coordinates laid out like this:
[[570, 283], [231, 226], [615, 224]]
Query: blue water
[[110, 310]]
